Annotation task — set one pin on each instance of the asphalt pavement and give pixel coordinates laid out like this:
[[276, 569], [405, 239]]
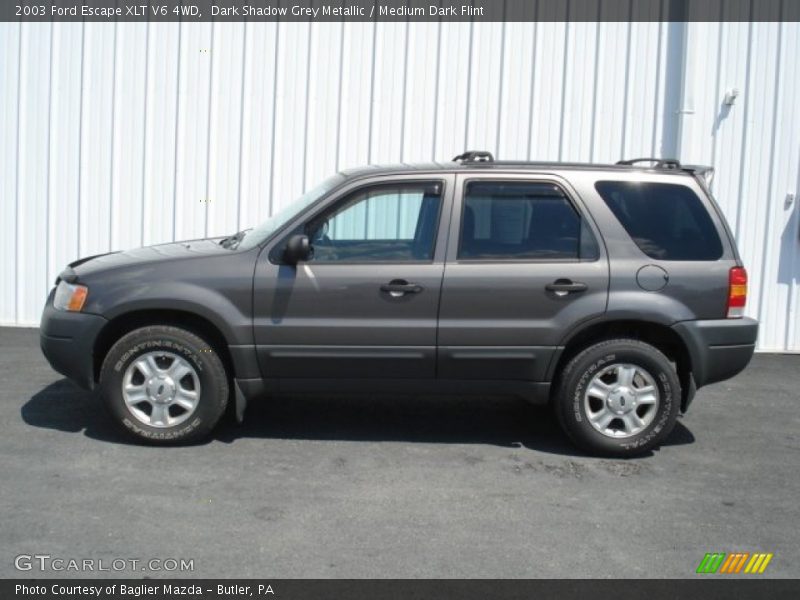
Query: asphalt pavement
[[417, 487]]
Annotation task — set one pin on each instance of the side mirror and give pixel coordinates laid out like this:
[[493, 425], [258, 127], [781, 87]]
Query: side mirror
[[298, 249]]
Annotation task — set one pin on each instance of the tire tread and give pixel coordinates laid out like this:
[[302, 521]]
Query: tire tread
[[215, 407], [563, 396]]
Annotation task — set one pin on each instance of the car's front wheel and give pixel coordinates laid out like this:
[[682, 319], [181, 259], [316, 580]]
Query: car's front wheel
[[618, 397], [164, 384]]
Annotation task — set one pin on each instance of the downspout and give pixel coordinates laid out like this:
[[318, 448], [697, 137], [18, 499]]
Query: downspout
[[678, 73]]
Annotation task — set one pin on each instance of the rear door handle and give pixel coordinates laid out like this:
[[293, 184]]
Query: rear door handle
[[397, 288], [562, 287]]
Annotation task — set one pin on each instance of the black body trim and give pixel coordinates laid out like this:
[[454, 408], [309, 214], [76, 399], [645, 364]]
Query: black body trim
[[67, 342], [719, 348]]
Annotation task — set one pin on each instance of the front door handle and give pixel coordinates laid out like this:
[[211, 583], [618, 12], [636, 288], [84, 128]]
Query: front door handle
[[397, 288], [562, 287]]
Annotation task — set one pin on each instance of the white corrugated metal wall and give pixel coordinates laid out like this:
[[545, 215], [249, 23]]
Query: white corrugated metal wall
[[117, 135]]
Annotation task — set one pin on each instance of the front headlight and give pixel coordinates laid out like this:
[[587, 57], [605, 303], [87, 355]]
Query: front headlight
[[70, 296]]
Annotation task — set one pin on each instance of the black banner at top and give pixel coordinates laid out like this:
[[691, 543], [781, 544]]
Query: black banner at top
[[397, 10]]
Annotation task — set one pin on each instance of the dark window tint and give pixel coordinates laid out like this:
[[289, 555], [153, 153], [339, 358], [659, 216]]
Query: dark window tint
[[380, 224], [521, 221], [667, 221]]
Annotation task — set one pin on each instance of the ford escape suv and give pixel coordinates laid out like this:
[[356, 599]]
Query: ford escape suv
[[611, 292]]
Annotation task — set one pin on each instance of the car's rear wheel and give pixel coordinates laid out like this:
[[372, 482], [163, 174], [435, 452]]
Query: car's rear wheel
[[618, 397], [164, 384]]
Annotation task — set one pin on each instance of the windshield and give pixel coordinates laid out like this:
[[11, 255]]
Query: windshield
[[285, 214]]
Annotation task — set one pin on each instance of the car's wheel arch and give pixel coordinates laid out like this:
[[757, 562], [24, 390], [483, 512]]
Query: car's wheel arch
[[656, 333], [124, 322]]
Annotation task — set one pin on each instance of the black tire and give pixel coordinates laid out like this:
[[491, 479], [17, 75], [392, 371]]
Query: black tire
[[213, 379], [579, 372]]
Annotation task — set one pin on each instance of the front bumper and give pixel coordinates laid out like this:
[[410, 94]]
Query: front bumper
[[719, 348], [67, 341]]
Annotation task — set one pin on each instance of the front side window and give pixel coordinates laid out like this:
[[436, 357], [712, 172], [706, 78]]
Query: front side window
[[667, 221], [386, 223], [519, 221]]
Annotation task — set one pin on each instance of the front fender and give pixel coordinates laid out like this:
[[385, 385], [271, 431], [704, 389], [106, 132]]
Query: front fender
[[218, 289], [227, 317]]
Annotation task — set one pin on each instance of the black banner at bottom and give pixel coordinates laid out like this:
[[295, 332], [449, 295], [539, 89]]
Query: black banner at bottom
[[406, 589]]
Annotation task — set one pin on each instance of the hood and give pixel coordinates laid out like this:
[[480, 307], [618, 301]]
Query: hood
[[148, 255]]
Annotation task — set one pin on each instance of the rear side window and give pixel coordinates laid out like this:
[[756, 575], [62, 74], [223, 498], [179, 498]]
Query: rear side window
[[667, 221], [519, 221]]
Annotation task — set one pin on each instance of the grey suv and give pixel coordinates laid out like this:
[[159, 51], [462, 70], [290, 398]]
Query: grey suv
[[611, 292]]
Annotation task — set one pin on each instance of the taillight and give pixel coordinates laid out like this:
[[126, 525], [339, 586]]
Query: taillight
[[737, 292]]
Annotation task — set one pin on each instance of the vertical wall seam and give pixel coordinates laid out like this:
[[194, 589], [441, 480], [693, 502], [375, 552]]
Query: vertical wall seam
[[111, 145], [626, 93], [405, 91], [274, 118], [80, 140], [563, 88], [743, 160], [794, 222], [595, 95], [717, 108], [19, 233], [177, 133], [436, 87], [17, 178], [500, 85], [681, 116], [765, 249], [531, 101], [306, 109], [241, 130], [468, 95], [371, 92], [48, 185], [208, 125], [143, 201], [337, 156]]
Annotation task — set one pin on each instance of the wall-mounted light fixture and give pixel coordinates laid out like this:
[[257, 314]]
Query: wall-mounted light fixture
[[730, 97]]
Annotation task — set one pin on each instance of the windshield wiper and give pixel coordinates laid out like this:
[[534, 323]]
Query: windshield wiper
[[233, 240]]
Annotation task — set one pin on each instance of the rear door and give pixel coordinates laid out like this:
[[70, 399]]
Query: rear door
[[523, 266]]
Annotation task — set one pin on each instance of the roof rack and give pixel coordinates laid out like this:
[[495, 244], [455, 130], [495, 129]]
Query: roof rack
[[659, 163], [474, 156]]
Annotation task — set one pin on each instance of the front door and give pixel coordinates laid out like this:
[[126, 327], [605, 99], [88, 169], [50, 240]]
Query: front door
[[523, 266], [365, 305]]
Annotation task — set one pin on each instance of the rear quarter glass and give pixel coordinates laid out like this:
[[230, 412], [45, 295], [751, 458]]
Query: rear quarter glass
[[666, 221]]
